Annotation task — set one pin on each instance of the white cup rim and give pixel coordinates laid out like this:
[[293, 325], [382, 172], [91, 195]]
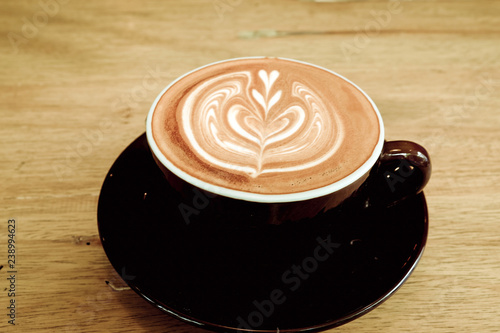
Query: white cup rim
[[258, 197]]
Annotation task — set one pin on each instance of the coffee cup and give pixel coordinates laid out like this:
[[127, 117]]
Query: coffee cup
[[270, 140]]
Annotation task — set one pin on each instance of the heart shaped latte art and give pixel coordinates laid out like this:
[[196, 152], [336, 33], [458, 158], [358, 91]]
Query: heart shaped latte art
[[244, 124]]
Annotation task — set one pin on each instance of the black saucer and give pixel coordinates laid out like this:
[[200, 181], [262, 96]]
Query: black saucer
[[305, 276]]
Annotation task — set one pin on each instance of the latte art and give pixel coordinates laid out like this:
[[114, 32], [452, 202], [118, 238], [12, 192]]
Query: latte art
[[263, 126], [234, 125]]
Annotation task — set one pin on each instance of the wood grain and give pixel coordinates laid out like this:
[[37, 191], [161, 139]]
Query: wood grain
[[73, 97]]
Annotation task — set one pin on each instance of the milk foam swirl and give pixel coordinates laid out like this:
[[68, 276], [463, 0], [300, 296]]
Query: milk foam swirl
[[242, 122]]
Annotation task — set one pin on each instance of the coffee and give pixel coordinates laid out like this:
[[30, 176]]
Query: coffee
[[265, 126]]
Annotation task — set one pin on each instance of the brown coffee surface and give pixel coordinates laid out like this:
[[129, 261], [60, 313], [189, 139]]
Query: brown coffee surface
[[265, 125]]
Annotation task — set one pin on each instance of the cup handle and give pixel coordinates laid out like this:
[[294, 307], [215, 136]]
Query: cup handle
[[403, 170]]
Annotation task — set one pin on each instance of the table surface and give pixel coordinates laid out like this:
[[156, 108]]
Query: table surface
[[79, 77]]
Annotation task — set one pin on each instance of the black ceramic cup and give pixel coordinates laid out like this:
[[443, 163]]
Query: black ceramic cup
[[393, 171]]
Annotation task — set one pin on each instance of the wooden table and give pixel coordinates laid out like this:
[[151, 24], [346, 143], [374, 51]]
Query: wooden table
[[79, 77]]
